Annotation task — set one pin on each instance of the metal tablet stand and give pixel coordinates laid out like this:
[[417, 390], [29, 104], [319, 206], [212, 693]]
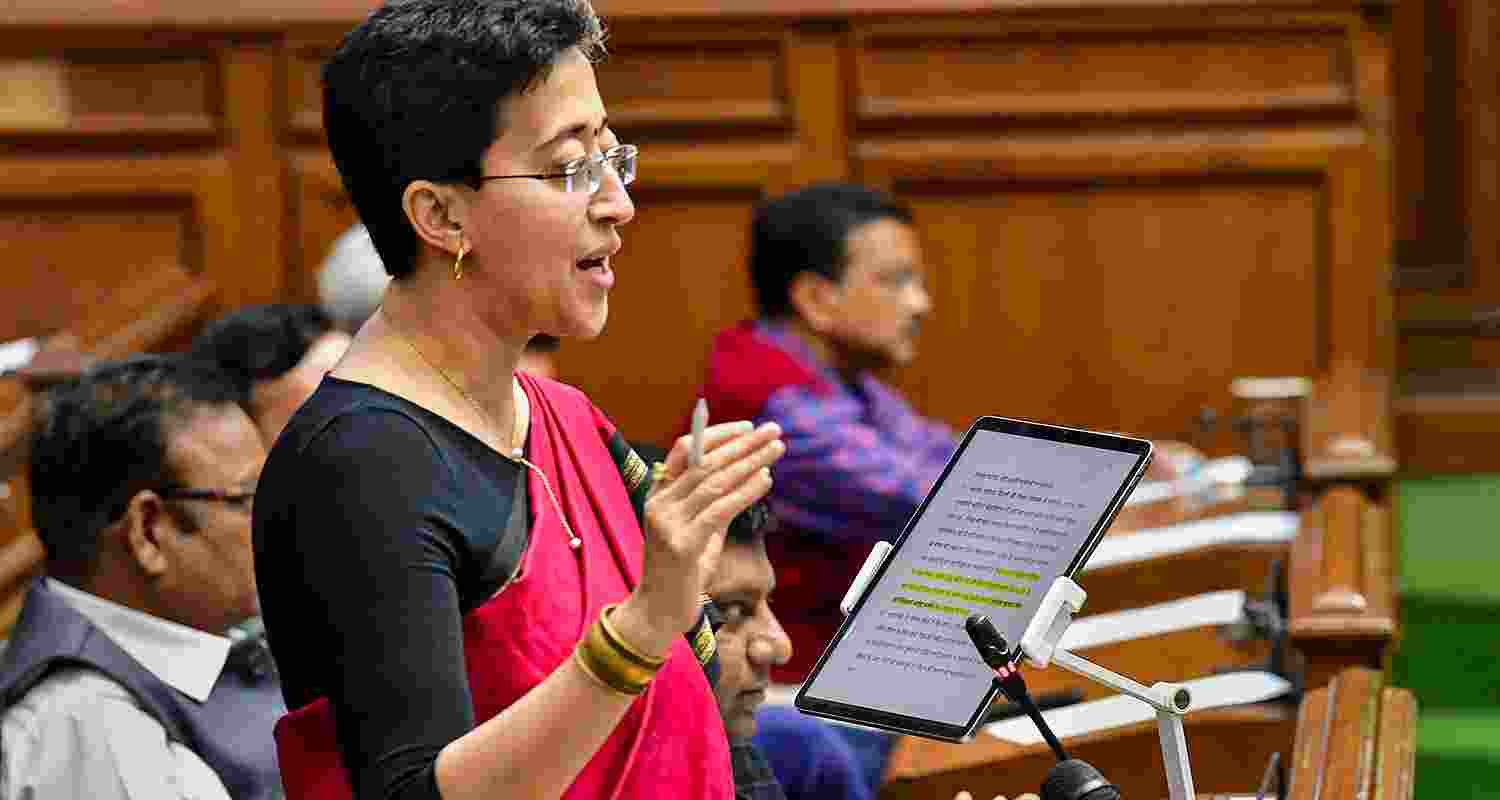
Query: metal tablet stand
[[1039, 644]]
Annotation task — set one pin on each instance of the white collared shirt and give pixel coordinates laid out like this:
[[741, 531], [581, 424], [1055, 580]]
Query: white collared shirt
[[79, 734]]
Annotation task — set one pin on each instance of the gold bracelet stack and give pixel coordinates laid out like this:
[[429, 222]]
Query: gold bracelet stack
[[611, 661]]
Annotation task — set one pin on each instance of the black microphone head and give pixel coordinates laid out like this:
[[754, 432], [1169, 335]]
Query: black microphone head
[[1077, 780], [987, 640]]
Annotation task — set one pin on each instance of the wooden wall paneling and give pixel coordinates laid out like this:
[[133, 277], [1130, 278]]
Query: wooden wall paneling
[[1479, 108], [320, 210], [303, 52], [1080, 265], [1158, 177], [87, 229], [719, 116], [1010, 70], [263, 14], [1431, 242], [1342, 584], [253, 271], [818, 72], [59, 89], [1449, 99], [684, 81]]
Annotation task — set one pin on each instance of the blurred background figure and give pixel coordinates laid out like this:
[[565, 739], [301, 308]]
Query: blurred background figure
[[118, 680], [277, 354], [352, 280]]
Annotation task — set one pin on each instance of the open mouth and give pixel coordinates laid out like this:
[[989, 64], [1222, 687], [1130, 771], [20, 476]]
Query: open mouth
[[600, 263]]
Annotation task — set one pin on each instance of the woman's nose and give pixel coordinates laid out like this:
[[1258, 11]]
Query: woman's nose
[[611, 204]]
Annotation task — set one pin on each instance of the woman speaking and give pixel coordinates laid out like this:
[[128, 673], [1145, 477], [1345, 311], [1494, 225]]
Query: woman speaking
[[460, 596]]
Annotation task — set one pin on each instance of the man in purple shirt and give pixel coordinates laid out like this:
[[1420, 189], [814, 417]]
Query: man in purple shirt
[[838, 276]]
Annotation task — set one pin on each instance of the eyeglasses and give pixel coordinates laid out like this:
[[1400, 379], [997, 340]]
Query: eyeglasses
[[585, 174], [238, 500]]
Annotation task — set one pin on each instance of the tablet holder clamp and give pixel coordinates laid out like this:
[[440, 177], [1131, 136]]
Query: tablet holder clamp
[[1039, 644], [1170, 700]]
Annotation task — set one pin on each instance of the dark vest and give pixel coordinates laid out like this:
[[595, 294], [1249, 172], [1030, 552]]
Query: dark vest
[[231, 731]]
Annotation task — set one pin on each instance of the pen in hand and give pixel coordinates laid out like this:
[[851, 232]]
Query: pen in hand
[[700, 422]]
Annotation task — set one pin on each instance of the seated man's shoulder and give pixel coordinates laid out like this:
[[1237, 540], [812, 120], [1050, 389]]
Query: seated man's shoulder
[[74, 693], [745, 369], [80, 734]]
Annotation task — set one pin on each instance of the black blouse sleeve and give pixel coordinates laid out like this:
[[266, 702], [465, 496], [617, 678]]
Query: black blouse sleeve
[[380, 632]]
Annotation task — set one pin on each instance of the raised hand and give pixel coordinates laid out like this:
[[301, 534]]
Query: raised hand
[[686, 517]]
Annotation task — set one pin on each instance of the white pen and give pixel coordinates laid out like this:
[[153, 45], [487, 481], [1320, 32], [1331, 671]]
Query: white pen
[[700, 421]]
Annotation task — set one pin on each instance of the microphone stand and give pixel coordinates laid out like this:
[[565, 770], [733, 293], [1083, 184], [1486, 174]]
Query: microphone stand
[[1170, 700]]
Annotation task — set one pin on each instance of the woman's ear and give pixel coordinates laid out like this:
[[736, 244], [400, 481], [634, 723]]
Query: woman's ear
[[147, 526], [437, 213], [815, 298]]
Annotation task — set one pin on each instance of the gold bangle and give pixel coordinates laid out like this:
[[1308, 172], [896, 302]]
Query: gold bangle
[[613, 636], [583, 663], [605, 657], [611, 669], [611, 664]]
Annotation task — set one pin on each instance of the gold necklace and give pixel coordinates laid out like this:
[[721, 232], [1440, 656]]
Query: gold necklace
[[517, 453]]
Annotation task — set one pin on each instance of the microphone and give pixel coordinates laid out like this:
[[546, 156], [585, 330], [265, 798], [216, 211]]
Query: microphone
[[1077, 780], [996, 656], [988, 641], [1071, 779]]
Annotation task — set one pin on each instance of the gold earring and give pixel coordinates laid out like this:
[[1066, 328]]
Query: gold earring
[[458, 263]]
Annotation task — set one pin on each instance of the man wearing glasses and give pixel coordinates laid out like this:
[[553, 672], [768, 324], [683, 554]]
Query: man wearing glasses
[[116, 682]]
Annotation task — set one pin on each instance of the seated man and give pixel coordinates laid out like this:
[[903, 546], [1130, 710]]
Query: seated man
[[117, 682], [838, 276], [277, 353], [811, 760]]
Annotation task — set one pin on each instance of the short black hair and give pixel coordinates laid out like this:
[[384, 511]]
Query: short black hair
[[103, 437], [260, 343], [808, 231], [751, 525], [414, 92]]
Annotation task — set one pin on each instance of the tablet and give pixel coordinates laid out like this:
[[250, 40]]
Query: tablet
[[1018, 504]]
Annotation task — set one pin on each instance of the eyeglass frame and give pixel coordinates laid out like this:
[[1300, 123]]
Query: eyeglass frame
[[591, 166]]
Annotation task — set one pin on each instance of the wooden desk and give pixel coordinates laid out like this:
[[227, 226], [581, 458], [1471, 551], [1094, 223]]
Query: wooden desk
[[1352, 739]]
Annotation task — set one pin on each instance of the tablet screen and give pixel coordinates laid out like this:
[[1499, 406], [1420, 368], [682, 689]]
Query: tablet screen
[[1011, 513]]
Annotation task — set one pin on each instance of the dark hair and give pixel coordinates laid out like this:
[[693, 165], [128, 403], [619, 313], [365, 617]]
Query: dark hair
[[414, 91], [751, 525], [103, 437], [259, 343], [808, 231]]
